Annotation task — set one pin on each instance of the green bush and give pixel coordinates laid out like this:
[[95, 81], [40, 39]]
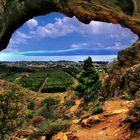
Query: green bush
[[29, 114], [48, 113], [49, 128], [50, 101], [97, 110], [69, 103], [31, 105], [11, 116]]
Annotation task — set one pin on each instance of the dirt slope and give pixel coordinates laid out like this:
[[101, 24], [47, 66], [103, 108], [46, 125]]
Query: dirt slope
[[110, 127]]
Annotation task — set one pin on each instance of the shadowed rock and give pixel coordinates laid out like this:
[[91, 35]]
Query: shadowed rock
[[14, 13]]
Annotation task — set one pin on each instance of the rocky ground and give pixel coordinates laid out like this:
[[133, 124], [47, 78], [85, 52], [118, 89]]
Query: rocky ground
[[114, 123]]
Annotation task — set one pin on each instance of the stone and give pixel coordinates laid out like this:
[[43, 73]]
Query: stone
[[90, 121]]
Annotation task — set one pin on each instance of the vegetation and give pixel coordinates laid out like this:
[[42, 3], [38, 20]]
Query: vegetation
[[69, 103], [97, 110], [89, 81], [29, 114], [58, 81], [50, 101], [10, 116], [31, 105], [50, 128], [71, 71]]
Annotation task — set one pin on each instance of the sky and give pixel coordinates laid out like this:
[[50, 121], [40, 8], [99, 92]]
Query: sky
[[58, 35]]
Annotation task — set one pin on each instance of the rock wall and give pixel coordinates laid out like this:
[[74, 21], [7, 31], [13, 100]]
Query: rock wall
[[13, 13], [124, 74]]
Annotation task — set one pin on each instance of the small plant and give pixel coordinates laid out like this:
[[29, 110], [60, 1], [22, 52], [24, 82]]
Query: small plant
[[31, 105], [69, 103], [50, 101], [49, 128], [97, 110], [29, 114], [48, 109], [48, 113]]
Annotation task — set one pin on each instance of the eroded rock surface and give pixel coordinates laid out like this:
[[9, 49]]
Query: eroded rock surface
[[13, 13], [124, 75]]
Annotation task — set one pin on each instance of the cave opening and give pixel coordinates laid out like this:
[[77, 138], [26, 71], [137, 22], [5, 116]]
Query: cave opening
[[57, 37]]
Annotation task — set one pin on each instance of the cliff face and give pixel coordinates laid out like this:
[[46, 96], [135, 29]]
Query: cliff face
[[124, 75], [13, 13]]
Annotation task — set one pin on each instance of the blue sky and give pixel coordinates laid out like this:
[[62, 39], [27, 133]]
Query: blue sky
[[55, 34]]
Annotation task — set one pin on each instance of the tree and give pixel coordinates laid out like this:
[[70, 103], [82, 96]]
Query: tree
[[11, 116], [89, 81]]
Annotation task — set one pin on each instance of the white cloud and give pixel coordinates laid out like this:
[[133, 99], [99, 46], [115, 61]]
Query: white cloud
[[17, 39], [119, 46], [32, 23], [80, 45], [64, 26]]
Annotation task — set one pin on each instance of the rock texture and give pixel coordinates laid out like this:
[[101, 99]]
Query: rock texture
[[13, 13], [124, 74]]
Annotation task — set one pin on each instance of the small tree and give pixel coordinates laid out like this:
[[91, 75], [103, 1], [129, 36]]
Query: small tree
[[10, 115], [89, 81]]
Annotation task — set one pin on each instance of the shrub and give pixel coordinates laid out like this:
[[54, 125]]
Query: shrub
[[97, 110], [48, 113], [69, 103], [49, 128], [31, 105], [11, 116], [29, 114], [50, 101]]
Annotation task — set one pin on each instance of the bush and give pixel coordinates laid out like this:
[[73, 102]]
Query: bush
[[52, 127], [29, 114], [69, 103], [11, 116], [31, 105], [48, 107], [48, 113], [50, 101], [97, 110]]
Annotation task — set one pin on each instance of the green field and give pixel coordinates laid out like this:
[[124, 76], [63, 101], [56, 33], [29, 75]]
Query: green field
[[58, 81], [32, 78]]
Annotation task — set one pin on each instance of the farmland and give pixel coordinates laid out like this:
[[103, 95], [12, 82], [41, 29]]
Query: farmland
[[32, 78]]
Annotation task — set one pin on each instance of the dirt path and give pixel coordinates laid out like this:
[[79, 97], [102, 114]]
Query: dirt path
[[43, 84], [111, 126]]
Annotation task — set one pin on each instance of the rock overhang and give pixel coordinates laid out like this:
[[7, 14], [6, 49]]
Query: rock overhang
[[14, 13]]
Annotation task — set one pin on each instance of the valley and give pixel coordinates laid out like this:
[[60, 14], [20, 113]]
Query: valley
[[49, 108]]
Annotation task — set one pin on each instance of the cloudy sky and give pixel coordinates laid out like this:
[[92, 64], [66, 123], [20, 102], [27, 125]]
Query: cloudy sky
[[56, 34]]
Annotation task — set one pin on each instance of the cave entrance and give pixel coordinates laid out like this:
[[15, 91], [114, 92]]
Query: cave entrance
[[57, 37]]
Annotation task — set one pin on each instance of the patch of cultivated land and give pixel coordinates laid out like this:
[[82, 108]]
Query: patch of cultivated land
[[57, 79]]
